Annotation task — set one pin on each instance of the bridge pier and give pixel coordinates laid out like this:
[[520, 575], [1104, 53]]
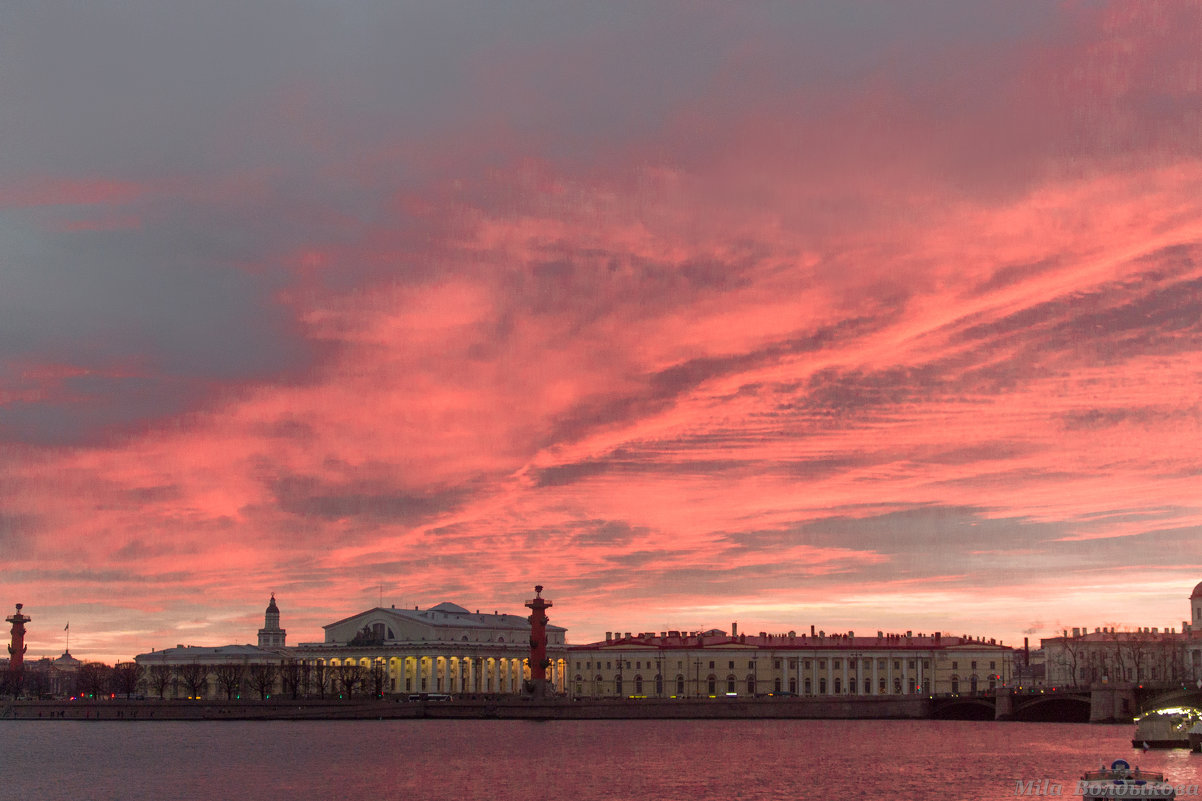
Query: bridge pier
[[1111, 705], [1003, 705]]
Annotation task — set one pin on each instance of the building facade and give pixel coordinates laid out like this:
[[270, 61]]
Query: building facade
[[445, 649], [713, 663], [1080, 657]]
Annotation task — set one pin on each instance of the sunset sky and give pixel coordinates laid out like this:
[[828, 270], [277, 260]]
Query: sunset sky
[[862, 315]]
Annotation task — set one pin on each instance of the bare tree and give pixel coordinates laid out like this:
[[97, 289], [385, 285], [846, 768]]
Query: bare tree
[[290, 677], [195, 677], [378, 677], [322, 676], [93, 679], [229, 678], [159, 676], [126, 676], [12, 682], [262, 678], [350, 678]]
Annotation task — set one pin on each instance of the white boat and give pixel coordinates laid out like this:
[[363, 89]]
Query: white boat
[[1123, 781], [1168, 729]]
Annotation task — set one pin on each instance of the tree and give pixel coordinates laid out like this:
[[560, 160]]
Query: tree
[[12, 682], [322, 676], [262, 678], [229, 678], [159, 676], [350, 677], [93, 679], [125, 677], [290, 678], [195, 677], [378, 676]]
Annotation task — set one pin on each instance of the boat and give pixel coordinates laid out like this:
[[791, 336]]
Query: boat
[[1195, 738], [1163, 730], [1123, 781]]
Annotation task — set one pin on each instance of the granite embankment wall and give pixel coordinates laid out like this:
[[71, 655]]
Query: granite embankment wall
[[720, 708]]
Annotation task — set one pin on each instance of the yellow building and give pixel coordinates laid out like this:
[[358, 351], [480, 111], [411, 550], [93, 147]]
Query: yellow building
[[713, 663], [445, 649]]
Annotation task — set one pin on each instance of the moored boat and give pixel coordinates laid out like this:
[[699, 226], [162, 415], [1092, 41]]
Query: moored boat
[[1159, 730], [1123, 781]]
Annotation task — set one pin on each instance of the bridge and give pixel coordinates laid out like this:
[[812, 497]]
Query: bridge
[[1099, 703]]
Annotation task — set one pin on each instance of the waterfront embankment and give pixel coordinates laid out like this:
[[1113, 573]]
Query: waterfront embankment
[[510, 709]]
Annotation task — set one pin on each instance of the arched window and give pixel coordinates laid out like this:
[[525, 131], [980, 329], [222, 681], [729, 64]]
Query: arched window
[[679, 684], [659, 684], [730, 684], [867, 686], [711, 684], [751, 685], [618, 685], [638, 685], [776, 685], [822, 686], [838, 685], [955, 683], [972, 682]]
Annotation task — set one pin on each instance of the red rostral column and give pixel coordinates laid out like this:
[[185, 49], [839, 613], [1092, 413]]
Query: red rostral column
[[17, 649], [538, 642]]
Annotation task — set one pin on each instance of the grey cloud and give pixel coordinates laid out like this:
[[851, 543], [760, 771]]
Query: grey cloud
[[308, 496]]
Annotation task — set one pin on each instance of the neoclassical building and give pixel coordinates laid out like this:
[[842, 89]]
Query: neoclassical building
[[444, 649], [1147, 654], [713, 663]]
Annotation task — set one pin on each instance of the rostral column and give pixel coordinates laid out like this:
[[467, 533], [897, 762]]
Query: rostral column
[[17, 649], [539, 662]]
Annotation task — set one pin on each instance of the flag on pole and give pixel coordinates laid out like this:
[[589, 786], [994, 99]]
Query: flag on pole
[[68, 626]]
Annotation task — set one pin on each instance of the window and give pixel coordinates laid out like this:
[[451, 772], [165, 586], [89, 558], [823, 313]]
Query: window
[[711, 683], [882, 686], [955, 666], [730, 684], [618, 685], [993, 665], [793, 664], [897, 664], [776, 665], [711, 668], [974, 665], [607, 666], [751, 685], [836, 663], [807, 664], [793, 686], [926, 664], [955, 683], [910, 664], [822, 686], [822, 664], [751, 665], [880, 664], [838, 686], [731, 665], [659, 684], [638, 685], [679, 685], [867, 686], [809, 691], [638, 665], [912, 686], [776, 685]]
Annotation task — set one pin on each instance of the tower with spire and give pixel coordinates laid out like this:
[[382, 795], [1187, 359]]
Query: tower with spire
[[271, 635]]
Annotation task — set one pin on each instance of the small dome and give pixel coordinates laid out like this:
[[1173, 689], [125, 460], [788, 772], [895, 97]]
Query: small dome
[[1197, 593], [271, 607]]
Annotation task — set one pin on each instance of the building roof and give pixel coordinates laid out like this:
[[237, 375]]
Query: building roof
[[717, 639], [1197, 593], [447, 614], [209, 651]]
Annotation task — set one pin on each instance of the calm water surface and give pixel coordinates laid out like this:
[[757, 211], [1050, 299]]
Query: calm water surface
[[560, 761]]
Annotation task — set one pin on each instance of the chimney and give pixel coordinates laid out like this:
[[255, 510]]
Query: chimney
[[938, 636], [609, 636], [811, 630], [734, 629]]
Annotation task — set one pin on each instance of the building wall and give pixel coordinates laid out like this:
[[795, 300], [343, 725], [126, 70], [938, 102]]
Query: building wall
[[633, 669]]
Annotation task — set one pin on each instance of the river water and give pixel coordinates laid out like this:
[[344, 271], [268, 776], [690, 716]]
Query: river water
[[498, 760]]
